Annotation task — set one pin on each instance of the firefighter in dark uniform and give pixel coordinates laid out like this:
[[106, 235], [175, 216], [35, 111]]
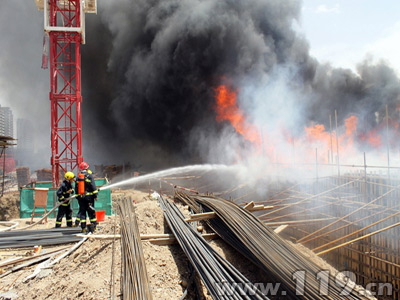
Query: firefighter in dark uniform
[[63, 193], [87, 199]]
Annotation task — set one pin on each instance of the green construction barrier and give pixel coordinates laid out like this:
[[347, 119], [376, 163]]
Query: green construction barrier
[[27, 199]]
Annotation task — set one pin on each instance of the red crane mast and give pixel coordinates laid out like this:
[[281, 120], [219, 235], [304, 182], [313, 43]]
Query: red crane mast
[[64, 22]]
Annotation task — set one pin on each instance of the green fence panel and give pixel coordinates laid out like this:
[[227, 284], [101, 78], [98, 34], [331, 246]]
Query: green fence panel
[[27, 199]]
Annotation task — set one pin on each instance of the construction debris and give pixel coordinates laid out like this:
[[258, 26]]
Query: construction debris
[[44, 175], [53, 260]]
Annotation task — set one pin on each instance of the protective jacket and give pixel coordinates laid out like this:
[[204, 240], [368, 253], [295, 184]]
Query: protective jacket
[[65, 208], [86, 202], [62, 192], [91, 190]]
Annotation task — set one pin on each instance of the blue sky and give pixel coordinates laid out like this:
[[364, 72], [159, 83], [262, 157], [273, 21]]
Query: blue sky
[[345, 32]]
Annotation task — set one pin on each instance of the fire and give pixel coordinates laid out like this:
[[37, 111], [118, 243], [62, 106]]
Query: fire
[[228, 110], [347, 141], [351, 125], [317, 133], [327, 141], [372, 138], [317, 136]]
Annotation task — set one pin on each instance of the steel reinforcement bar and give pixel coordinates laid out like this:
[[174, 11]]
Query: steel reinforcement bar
[[29, 238], [134, 279], [278, 258], [222, 280]]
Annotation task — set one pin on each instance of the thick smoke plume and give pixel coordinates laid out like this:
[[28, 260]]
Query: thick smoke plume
[[166, 58], [150, 70]]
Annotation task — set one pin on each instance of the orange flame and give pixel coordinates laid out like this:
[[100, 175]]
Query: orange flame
[[316, 137], [317, 133], [372, 138], [227, 110], [351, 125], [328, 142]]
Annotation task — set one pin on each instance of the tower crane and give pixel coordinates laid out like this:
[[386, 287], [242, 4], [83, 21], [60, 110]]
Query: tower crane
[[64, 23]]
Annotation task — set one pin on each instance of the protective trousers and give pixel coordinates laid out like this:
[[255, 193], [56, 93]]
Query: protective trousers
[[87, 207], [78, 215], [64, 210]]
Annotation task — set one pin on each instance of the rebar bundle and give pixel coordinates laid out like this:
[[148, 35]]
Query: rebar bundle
[[222, 280], [29, 238], [134, 281], [266, 249]]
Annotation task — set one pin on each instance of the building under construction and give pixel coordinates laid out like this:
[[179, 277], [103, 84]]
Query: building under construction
[[350, 222]]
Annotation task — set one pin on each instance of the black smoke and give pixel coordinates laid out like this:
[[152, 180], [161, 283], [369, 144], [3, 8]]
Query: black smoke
[[164, 59], [152, 66], [149, 69], [368, 92]]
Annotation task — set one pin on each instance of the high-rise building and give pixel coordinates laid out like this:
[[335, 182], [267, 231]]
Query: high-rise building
[[24, 134], [24, 153], [6, 122]]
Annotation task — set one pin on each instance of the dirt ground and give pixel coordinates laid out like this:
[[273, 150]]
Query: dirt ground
[[9, 206], [86, 273]]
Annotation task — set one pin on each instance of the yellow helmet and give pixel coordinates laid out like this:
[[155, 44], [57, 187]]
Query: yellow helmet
[[69, 175]]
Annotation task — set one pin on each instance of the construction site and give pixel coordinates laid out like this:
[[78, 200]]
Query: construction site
[[214, 156]]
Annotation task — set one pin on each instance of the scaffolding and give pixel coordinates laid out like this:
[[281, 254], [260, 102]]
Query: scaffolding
[[5, 142]]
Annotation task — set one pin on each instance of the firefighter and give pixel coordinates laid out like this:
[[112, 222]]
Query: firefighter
[[86, 197], [63, 193]]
